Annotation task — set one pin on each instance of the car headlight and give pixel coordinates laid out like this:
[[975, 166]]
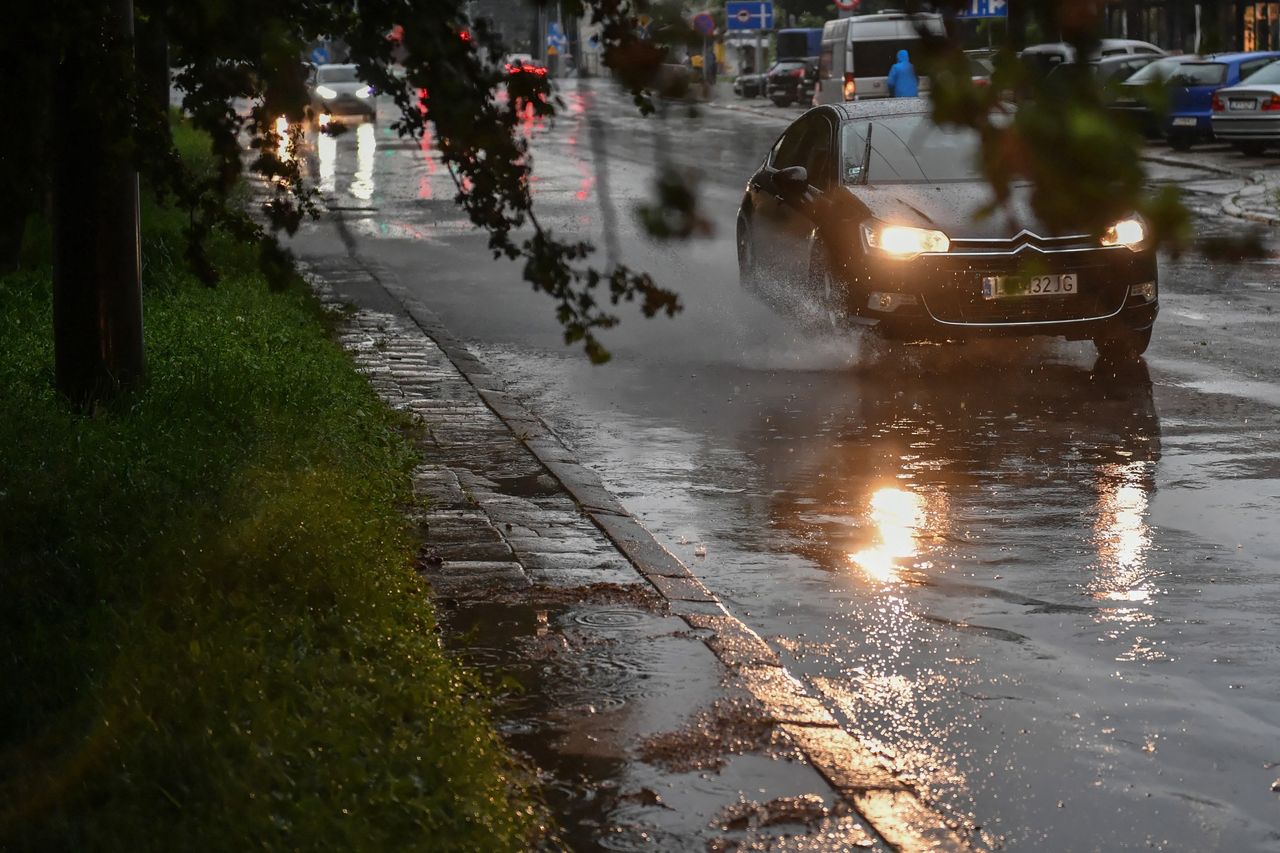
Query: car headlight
[[903, 241], [325, 92], [1130, 233], [364, 92]]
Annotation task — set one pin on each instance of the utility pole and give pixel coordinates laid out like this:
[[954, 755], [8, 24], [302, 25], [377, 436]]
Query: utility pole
[[97, 276]]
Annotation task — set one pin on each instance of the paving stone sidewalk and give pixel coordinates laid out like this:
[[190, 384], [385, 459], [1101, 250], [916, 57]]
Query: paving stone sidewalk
[[657, 718]]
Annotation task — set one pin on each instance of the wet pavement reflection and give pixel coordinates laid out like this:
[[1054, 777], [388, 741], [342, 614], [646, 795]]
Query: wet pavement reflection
[[1041, 588]]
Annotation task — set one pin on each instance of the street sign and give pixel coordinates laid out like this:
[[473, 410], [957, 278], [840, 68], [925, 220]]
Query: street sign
[[848, 5], [749, 15], [985, 9], [704, 24]]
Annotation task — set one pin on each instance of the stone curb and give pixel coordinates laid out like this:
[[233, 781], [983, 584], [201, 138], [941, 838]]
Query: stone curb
[[1257, 186], [890, 808]]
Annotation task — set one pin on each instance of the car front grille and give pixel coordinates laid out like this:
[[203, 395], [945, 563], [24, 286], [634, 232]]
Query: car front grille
[[954, 293]]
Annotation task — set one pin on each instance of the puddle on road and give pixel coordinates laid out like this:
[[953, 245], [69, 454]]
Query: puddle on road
[[638, 745]]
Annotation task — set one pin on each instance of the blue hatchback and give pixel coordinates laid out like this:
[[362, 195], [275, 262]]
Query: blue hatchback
[[1191, 88]]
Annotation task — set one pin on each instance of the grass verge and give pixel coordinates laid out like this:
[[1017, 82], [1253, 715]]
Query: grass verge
[[210, 633]]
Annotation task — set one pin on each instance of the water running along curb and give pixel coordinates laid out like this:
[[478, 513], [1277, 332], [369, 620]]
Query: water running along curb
[[886, 804]]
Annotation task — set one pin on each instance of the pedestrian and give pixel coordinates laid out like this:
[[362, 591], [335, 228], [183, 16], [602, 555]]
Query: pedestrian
[[903, 82]]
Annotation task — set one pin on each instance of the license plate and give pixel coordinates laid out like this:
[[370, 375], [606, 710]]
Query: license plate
[[1184, 121], [1242, 104], [1005, 286]]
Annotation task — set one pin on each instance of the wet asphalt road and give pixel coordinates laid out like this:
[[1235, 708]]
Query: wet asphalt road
[[1045, 591]]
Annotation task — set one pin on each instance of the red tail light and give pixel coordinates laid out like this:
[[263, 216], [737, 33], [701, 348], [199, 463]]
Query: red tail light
[[981, 81], [850, 86], [1271, 105], [1218, 106], [797, 72]]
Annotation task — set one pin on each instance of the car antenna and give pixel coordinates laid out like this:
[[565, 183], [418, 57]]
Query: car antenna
[[866, 156]]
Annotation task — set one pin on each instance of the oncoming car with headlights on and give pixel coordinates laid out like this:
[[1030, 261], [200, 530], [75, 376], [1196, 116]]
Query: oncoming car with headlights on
[[339, 91], [869, 210]]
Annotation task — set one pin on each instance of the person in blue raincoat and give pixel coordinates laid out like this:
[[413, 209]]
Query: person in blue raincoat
[[903, 82]]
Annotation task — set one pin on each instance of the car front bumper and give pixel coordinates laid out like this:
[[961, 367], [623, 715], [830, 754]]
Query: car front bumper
[[949, 305]]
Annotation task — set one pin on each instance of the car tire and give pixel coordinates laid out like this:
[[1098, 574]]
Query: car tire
[[748, 269], [1120, 345], [828, 289], [1251, 149]]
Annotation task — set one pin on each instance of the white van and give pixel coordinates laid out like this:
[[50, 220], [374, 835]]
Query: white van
[[858, 52]]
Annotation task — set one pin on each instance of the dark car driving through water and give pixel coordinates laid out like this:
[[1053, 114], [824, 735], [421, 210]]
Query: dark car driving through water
[[868, 209]]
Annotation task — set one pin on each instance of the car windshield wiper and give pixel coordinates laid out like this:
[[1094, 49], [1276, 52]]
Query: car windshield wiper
[[866, 157]]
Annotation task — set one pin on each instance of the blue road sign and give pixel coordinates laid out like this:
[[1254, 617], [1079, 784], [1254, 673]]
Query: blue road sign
[[320, 56], [748, 15], [985, 9]]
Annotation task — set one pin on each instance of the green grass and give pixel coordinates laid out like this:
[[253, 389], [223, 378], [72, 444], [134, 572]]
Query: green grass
[[211, 636]]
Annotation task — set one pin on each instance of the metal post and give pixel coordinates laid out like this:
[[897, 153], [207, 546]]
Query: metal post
[[760, 46]]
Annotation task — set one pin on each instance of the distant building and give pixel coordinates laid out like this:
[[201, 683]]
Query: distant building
[[515, 20], [1224, 24]]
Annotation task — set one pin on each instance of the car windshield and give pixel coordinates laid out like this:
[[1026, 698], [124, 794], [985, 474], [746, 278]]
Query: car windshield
[[1199, 74], [908, 149], [787, 66], [1156, 72], [1266, 75], [337, 74]]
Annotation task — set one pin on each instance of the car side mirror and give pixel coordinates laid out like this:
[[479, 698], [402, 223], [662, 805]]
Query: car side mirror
[[792, 181]]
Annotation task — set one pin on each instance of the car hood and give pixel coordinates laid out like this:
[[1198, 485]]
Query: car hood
[[952, 208], [345, 88]]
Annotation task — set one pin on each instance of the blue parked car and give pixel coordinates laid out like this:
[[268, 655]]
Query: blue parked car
[[1191, 88]]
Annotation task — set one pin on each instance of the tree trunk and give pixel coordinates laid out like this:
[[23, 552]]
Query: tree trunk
[[97, 283]]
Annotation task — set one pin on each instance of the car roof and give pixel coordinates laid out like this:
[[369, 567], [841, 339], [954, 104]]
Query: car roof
[[337, 65], [878, 108], [1241, 57]]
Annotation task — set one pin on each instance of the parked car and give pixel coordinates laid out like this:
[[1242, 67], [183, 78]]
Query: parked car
[[749, 85], [1248, 115], [1110, 69], [337, 90], [981, 67], [790, 82], [523, 63], [1043, 58], [1191, 89], [1131, 101], [868, 209]]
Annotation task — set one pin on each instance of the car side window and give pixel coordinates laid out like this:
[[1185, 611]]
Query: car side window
[[792, 148], [818, 161], [1253, 65], [1115, 51]]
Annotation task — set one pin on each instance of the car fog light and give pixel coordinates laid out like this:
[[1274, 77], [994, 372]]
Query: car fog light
[[1145, 291], [890, 301]]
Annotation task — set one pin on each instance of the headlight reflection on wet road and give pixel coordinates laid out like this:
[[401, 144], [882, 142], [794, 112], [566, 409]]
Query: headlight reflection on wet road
[[900, 518], [327, 150], [366, 147]]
